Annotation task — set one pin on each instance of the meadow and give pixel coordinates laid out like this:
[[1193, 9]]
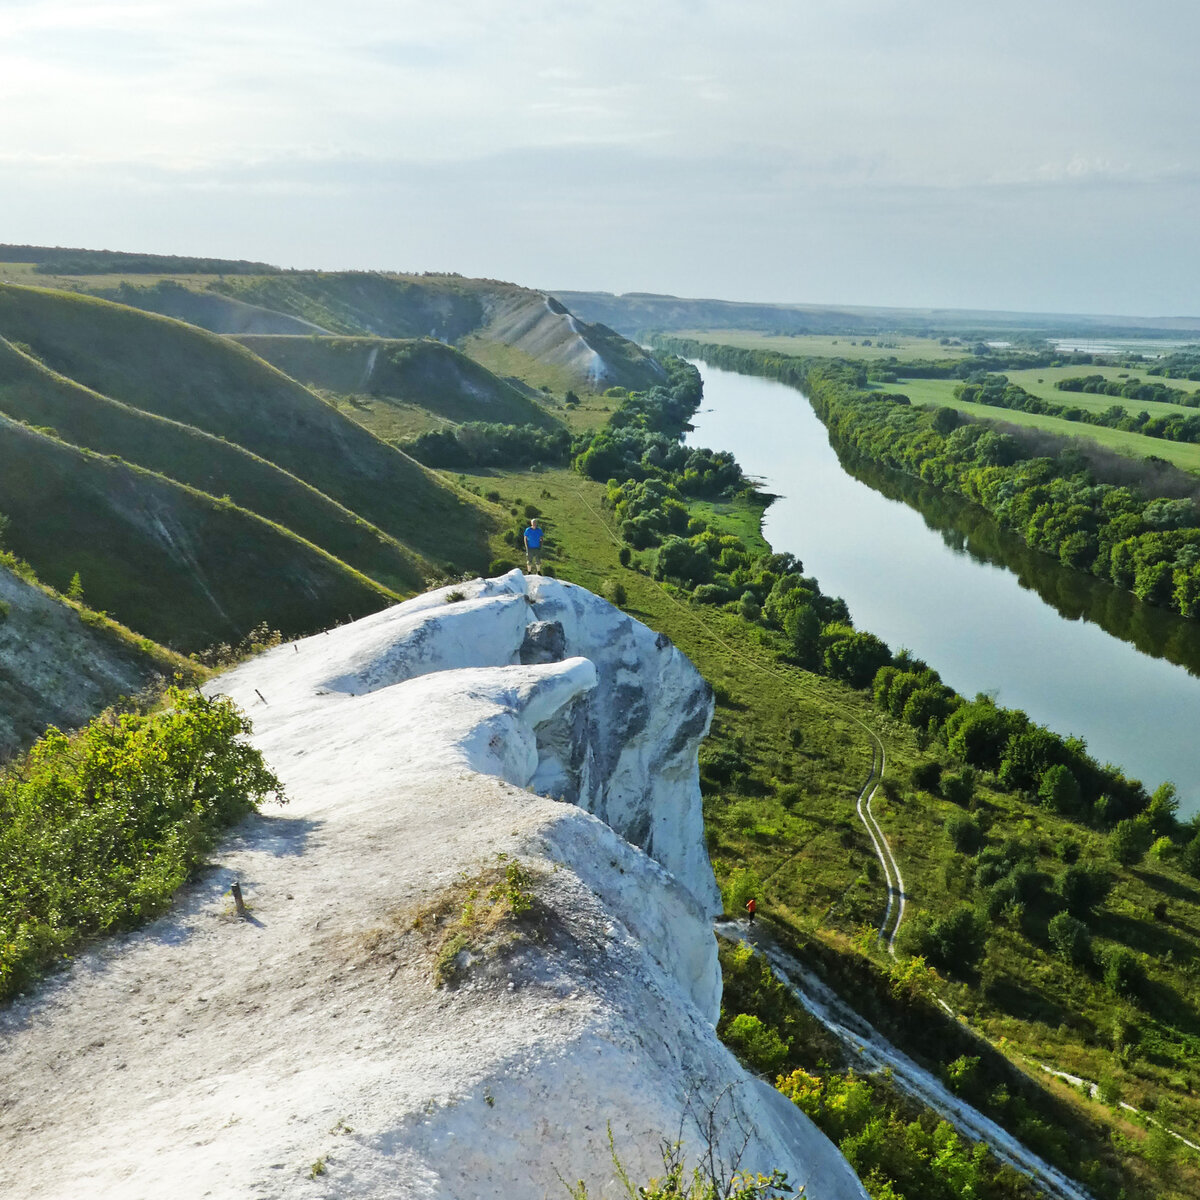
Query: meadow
[[940, 393], [904, 347]]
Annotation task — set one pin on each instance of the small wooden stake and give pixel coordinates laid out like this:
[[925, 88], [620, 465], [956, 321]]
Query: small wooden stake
[[236, 889]]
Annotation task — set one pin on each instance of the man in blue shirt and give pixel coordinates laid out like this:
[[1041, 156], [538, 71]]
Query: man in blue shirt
[[533, 545]]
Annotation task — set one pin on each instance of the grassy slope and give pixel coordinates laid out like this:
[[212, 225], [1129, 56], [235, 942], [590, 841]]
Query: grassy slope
[[187, 375], [422, 373], [60, 663], [173, 563], [358, 303], [31, 393]]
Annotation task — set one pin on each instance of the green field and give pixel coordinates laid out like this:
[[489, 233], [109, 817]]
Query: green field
[[1185, 455], [817, 345]]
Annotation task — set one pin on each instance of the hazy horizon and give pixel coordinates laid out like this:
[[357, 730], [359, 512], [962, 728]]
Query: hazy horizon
[[1018, 158]]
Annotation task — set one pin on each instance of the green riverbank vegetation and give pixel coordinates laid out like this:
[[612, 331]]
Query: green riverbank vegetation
[[1052, 900]]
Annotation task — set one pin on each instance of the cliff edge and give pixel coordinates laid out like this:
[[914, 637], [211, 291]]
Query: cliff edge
[[479, 935]]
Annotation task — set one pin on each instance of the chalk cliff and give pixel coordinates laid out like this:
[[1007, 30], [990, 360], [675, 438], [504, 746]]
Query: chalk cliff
[[370, 1030]]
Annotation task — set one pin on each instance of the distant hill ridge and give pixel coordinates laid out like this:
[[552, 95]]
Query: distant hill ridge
[[636, 312], [475, 315], [74, 260]]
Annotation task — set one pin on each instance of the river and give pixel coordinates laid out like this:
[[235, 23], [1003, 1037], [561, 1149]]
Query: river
[[931, 573]]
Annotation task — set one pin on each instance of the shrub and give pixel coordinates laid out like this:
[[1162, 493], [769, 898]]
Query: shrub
[[965, 833], [1129, 841], [615, 593], [1124, 974], [1083, 888], [711, 593], [1163, 848], [757, 1045], [955, 942], [927, 776], [743, 885], [1071, 938], [959, 787], [98, 830], [1059, 790], [624, 555], [500, 566]]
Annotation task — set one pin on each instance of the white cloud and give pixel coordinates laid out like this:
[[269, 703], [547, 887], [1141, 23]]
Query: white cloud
[[685, 114]]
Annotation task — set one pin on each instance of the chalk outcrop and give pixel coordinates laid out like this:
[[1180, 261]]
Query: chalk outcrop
[[309, 1050]]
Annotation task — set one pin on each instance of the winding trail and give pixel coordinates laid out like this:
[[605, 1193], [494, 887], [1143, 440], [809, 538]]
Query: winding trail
[[883, 848], [896, 897]]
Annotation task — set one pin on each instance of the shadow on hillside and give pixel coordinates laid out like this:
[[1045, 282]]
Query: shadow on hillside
[[1174, 888]]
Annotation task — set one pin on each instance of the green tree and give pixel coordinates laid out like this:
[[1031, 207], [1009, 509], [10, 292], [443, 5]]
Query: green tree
[[1071, 938], [1129, 840], [75, 588], [852, 656], [1059, 790], [964, 833], [1083, 888], [1124, 974]]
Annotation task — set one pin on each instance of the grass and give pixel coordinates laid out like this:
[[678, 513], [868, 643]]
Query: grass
[[512, 363], [902, 346], [1185, 455]]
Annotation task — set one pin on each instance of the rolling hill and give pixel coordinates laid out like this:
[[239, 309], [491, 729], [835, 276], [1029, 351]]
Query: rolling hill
[[420, 373], [30, 392], [187, 375], [178, 565]]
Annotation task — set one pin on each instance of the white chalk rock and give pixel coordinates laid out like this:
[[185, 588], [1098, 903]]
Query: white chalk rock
[[308, 1050]]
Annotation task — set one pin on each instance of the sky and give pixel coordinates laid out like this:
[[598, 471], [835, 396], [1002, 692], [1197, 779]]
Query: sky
[[1015, 155]]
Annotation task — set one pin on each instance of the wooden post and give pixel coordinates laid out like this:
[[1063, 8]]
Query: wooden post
[[236, 889]]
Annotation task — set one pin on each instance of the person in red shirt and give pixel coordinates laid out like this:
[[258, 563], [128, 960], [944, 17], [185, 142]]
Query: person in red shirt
[[751, 908]]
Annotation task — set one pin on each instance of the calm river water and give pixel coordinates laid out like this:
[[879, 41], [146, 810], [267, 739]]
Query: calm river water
[[936, 575]]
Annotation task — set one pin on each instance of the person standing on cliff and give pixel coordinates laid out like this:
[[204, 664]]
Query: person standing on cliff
[[533, 545], [752, 908]]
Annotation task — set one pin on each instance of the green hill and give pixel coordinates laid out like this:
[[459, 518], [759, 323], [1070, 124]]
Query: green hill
[[511, 330], [423, 373], [31, 393], [171, 562], [187, 375]]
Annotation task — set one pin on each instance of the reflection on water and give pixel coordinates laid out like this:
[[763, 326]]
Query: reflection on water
[[965, 528], [934, 573]]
